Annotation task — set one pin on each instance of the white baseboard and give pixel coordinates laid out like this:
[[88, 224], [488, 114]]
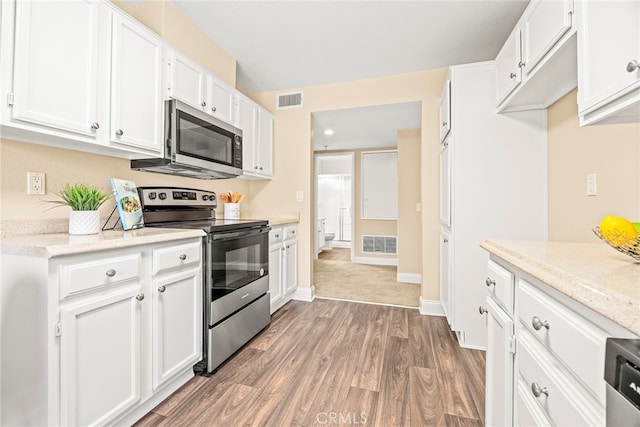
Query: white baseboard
[[431, 307], [343, 245], [305, 294], [375, 261], [409, 278]]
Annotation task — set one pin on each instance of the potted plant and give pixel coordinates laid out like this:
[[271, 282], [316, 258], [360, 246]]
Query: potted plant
[[84, 201]]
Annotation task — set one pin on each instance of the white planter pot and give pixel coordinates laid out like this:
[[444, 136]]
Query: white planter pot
[[84, 222]]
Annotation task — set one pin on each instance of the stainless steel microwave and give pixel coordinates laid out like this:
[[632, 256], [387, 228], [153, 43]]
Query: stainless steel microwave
[[197, 145]]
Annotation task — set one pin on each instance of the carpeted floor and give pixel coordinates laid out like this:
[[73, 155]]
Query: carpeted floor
[[365, 283]]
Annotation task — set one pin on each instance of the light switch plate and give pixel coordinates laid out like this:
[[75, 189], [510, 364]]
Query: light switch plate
[[299, 196]]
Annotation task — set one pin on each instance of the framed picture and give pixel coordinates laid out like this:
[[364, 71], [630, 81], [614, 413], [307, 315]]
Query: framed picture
[[128, 203]]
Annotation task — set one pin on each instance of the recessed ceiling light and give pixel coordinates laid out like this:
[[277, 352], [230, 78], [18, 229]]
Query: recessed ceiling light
[[328, 132]]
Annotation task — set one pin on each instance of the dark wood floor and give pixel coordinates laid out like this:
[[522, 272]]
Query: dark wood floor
[[336, 254], [335, 362]]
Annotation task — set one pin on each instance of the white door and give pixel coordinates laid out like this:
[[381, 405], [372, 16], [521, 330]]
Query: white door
[[609, 39], [177, 324], [220, 99], [380, 185], [56, 65], [276, 255], [265, 142], [445, 110], [186, 80], [291, 266], [100, 346], [508, 71], [445, 275], [546, 23], [499, 372], [136, 79], [247, 118], [445, 182]]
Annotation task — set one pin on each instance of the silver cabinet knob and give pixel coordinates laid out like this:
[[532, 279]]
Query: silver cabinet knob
[[277, 236], [214, 109], [521, 64], [161, 289], [119, 132], [446, 144], [260, 168], [633, 66], [489, 281], [95, 125], [539, 391], [182, 257], [512, 75], [445, 240], [204, 104], [444, 124], [111, 272], [255, 167], [539, 324], [140, 297], [483, 310]]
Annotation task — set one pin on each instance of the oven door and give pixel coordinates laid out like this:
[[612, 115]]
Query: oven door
[[238, 258]]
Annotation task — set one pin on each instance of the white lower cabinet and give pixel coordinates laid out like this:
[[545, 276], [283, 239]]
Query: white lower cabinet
[[545, 359], [283, 265], [97, 338]]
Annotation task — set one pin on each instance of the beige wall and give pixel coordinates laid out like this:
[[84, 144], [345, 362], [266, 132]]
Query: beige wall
[[610, 151], [409, 220], [293, 157]]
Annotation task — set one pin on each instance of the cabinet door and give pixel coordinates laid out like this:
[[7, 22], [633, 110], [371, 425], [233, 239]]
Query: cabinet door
[[545, 24], [445, 110], [445, 276], [220, 99], [136, 78], [608, 40], [445, 182], [275, 274], [56, 64], [177, 324], [264, 143], [508, 71], [499, 376], [247, 119], [186, 80], [291, 266], [100, 346]]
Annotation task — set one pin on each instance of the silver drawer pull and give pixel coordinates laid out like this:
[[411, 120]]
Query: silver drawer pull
[[277, 236], [95, 125], [111, 272], [182, 257], [539, 324], [161, 289], [140, 297], [512, 75], [119, 132], [633, 66], [482, 310], [539, 391], [489, 281]]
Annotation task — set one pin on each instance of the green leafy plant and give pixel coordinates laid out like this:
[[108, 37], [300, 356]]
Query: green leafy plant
[[81, 197]]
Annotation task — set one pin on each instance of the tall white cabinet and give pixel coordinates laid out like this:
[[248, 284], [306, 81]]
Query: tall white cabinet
[[495, 186]]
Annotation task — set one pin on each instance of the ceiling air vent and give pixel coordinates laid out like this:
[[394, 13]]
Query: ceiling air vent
[[289, 100]]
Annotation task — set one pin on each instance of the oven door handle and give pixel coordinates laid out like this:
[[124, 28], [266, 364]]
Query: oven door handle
[[239, 234]]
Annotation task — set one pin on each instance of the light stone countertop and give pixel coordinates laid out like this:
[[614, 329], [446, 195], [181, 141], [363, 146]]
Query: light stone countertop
[[61, 244], [594, 274]]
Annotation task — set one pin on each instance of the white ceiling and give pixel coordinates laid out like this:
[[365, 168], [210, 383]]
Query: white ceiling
[[285, 45]]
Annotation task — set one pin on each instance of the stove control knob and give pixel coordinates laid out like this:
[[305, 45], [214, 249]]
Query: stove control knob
[[162, 196], [205, 197], [152, 195]]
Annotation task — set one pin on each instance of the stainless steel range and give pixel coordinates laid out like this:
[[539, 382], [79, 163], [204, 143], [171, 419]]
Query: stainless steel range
[[235, 269]]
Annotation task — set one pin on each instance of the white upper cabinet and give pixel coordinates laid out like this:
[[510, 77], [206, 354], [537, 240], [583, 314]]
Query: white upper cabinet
[[220, 99], [185, 79], [56, 65], [257, 139], [265, 142], [136, 86], [445, 110], [609, 60], [537, 64]]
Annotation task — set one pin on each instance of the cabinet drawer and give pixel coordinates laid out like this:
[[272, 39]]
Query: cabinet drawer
[[80, 277], [559, 398], [527, 411], [500, 283], [578, 343], [291, 232], [169, 258], [276, 235]]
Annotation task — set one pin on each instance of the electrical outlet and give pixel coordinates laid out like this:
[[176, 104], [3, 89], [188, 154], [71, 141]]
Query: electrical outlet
[[35, 183]]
